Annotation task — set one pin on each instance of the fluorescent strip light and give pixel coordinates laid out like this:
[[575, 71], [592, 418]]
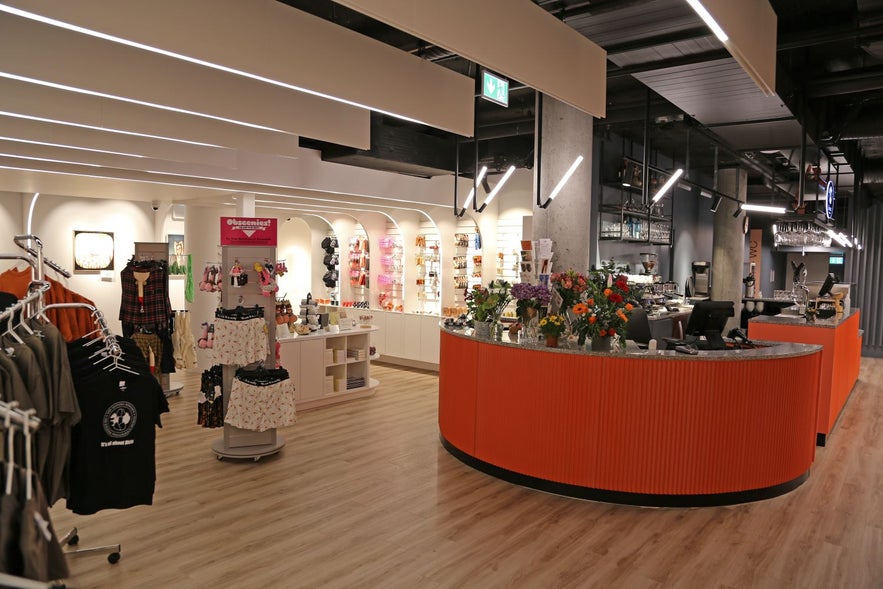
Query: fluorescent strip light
[[105, 129], [668, 184], [709, 20], [66, 146], [763, 208], [566, 177], [133, 101], [229, 70], [499, 185], [469, 198]]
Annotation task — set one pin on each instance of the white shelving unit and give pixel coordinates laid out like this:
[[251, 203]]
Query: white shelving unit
[[329, 368], [467, 261], [427, 263], [391, 280]]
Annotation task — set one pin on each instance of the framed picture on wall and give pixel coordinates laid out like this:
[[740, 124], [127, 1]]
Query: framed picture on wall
[[177, 259], [93, 251]]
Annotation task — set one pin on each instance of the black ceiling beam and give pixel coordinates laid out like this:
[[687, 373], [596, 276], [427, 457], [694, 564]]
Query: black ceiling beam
[[821, 36], [657, 40], [849, 82], [629, 70], [595, 7]]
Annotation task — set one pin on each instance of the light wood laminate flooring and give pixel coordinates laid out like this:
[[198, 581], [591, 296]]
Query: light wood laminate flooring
[[363, 495]]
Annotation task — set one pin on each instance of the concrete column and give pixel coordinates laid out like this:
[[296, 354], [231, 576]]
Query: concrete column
[[728, 245], [566, 134]]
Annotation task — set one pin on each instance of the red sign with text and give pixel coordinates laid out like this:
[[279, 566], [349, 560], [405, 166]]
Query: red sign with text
[[248, 231]]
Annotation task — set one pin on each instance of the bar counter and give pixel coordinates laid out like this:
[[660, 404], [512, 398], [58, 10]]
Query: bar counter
[[841, 356], [642, 428]]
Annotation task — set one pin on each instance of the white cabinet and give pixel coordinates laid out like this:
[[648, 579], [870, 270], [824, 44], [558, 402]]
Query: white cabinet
[[429, 339], [329, 368]]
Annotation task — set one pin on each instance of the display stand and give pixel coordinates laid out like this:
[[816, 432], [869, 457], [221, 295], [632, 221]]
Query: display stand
[[237, 442], [158, 251]]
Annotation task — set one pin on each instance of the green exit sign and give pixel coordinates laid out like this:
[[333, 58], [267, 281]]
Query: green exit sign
[[494, 88]]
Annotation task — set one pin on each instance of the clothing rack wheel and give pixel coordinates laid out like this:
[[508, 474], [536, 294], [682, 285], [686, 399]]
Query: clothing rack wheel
[[72, 538]]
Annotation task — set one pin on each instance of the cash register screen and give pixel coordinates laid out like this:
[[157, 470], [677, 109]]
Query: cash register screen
[[709, 316]]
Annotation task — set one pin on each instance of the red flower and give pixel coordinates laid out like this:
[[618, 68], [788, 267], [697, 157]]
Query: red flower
[[603, 333], [610, 331], [615, 298]]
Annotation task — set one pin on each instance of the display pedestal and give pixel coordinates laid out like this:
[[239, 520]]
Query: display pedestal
[[222, 450]]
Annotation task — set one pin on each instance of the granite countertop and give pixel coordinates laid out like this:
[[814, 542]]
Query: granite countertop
[[773, 351], [786, 319]]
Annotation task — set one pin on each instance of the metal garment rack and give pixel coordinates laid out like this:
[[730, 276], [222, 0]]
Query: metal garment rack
[[33, 302], [14, 417]]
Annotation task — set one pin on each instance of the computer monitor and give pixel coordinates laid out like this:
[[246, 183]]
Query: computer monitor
[[829, 283], [709, 317]]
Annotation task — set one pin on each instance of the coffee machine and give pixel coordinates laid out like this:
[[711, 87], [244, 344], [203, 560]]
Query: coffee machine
[[699, 282]]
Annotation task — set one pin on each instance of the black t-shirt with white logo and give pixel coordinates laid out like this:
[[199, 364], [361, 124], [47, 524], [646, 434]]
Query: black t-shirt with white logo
[[112, 464]]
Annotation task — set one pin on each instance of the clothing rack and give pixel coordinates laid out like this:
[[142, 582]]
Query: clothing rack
[[33, 300], [15, 417]]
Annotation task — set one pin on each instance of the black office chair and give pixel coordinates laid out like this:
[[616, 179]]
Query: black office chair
[[639, 327]]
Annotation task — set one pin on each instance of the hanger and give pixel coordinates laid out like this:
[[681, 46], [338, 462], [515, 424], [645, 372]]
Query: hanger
[[10, 442]]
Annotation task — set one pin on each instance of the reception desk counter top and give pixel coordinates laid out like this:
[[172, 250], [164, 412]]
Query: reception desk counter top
[[638, 427]]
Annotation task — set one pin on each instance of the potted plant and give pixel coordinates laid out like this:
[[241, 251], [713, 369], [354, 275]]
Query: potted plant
[[552, 326]]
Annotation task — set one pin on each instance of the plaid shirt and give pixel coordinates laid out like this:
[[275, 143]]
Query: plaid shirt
[[156, 308]]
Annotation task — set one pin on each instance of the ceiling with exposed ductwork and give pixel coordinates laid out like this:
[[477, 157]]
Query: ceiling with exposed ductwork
[[664, 68], [829, 85]]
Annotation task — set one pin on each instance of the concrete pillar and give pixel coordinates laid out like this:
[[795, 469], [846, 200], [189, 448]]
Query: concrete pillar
[[566, 134], [245, 206], [728, 245]]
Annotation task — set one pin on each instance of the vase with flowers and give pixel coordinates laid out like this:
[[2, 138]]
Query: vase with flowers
[[604, 311], [530, 300], [552, 327], [486, 304]]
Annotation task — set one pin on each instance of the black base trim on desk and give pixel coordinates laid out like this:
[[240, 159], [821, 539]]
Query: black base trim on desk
[[625, 498]]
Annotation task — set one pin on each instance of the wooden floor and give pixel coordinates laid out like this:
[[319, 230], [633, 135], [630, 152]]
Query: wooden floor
[[363, 495]]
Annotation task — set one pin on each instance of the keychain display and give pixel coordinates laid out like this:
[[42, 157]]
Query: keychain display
[[212, 278], [267, 277], [238, 276]]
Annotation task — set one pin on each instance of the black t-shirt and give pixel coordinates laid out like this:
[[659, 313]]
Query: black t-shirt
[[112, 464]]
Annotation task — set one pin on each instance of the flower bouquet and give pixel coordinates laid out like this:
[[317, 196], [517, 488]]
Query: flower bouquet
[[570, 285], [604, 312], [530, 297], [487, 303]]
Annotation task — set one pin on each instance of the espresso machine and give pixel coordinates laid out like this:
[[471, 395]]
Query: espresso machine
[[699, 282]]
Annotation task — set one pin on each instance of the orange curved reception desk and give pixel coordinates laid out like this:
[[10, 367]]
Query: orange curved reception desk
[[841, 341], [644, 428]]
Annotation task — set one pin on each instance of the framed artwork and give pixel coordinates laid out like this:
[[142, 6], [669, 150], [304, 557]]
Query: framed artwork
[[177, 259], [93, 251]]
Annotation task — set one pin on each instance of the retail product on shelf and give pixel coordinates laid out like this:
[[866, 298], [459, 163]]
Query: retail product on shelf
[[427, 263], [359, 269], [390, 279], [331, 276]]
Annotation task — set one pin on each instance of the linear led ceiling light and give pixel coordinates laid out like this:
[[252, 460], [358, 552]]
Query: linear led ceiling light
[[839, 238], [563, 181], [668, 184], [144, 47], [469, 198], [709, 20], [763, 208], [497, 188]]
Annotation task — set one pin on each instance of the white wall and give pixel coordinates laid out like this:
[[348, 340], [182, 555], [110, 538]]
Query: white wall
[[54, 221]]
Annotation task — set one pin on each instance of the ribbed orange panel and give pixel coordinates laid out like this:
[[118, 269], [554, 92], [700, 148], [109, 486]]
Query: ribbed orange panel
[[458, 361], [841, 358], [629, 424]]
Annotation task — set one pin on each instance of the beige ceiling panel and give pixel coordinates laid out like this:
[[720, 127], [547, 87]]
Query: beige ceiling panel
[[751, 28], [31, 100], [272, 40], [80, 61], [516, 38], [45, 133]]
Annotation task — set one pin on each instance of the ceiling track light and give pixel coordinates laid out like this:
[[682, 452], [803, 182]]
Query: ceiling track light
[[668, 184], [716, 203]]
